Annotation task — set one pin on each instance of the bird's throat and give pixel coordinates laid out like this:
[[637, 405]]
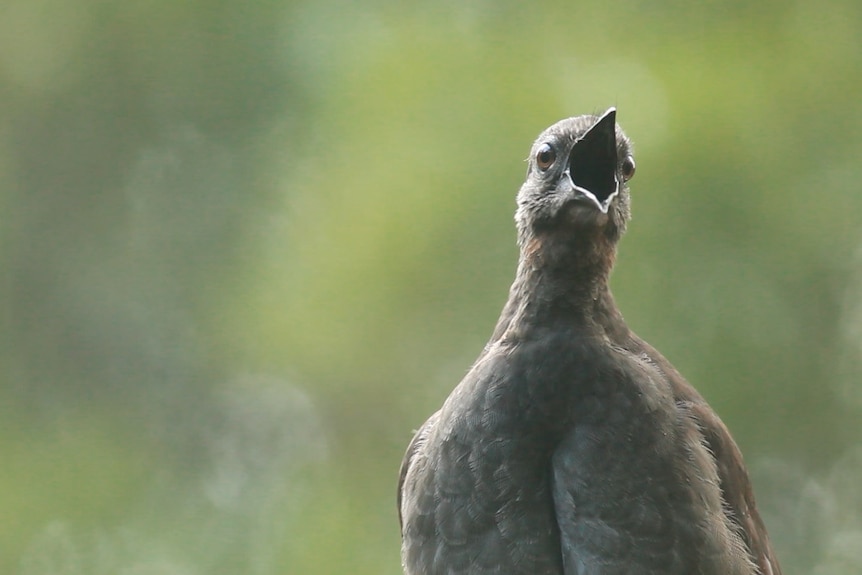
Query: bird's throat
[[559, 282], [570, 259]]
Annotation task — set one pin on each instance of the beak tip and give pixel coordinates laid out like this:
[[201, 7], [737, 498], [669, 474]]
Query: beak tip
[[610, 113], [609, 119]]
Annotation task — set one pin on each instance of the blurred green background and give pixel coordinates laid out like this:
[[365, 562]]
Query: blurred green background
[[247, 247]]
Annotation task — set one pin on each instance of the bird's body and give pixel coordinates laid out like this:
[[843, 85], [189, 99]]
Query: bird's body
[[572, 446]]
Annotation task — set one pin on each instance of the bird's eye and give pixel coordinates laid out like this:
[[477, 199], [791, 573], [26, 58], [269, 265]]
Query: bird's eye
[[545, 157], [628, 169]]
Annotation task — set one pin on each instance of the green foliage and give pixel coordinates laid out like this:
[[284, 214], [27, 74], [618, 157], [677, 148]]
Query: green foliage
[[246, 248]]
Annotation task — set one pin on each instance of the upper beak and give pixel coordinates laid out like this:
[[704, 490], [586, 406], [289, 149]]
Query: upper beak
[[592, 166]]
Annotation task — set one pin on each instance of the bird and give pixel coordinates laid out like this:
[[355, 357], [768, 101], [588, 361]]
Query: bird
[[572, 446]]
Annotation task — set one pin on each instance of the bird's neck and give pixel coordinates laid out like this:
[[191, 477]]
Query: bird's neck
[[563, 282]]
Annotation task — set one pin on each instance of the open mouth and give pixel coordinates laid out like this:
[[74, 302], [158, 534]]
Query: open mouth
[[593, 162]]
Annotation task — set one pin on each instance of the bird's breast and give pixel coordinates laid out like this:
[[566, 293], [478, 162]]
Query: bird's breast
[[480, 491]]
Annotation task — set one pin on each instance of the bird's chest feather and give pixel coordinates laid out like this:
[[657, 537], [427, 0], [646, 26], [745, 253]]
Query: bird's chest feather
[[483, 481]]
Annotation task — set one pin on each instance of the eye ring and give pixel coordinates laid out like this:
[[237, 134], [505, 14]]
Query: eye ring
[[545, 156], [628, 168]]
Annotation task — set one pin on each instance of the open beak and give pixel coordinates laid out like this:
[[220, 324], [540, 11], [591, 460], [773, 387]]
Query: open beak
[[592, 166]]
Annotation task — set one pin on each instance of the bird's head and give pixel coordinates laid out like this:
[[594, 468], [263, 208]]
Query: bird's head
[[577, 181]]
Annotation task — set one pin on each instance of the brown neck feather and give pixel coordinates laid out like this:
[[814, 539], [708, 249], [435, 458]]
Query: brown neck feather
[[563, 279]]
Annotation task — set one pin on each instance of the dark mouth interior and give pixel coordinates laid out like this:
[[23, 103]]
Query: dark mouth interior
[[592, 165]]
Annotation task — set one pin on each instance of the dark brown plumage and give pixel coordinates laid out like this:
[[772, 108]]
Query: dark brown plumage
[[572, 446]]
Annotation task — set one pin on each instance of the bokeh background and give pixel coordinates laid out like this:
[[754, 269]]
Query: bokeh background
[[247, 247]]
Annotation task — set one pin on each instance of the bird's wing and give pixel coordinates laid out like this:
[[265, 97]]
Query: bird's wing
[[649, 519], [736, 489], [415, 444]]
